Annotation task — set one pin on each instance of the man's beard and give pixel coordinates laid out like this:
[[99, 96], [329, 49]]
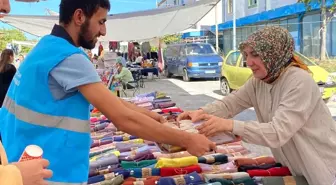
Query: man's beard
[[83, 42]]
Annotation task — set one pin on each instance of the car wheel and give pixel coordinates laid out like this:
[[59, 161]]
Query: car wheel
[[185, 76], [225, 87], [166, 72]]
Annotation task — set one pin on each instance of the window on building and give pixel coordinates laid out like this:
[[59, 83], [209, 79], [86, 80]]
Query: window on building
[[311, 25], [252, 3], [229, 6]]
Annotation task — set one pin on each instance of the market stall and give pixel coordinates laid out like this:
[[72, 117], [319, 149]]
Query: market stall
[[118, 158]]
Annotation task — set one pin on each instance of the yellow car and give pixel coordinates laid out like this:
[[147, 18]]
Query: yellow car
[[234, 73]]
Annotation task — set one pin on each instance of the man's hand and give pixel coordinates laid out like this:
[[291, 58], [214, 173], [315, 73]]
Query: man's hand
[[198, 145], [191, 115], [34, 172], [214, 125]]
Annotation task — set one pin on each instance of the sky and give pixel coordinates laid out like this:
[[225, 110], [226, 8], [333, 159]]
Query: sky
[[117, 6]]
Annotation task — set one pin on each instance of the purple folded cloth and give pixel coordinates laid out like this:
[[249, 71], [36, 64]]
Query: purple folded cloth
[[104, 162], [145, 155], [101, 171], [126, 147], [164, 105], [100, 143]]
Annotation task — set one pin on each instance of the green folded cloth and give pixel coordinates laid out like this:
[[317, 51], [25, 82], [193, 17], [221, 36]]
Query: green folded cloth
[[241, 181], [141, 164], [297, 180]]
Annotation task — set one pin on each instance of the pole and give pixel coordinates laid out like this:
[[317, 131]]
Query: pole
[[216, 23], [234, 24]]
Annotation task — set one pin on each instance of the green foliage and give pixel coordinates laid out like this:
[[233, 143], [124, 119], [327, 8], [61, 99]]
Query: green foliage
[[170, 39], [307, 3], [7, 35]]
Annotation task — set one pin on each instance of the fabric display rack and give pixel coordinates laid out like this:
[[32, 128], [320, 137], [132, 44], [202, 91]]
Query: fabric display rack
[[117, 158]]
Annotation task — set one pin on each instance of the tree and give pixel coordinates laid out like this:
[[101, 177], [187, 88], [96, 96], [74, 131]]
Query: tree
[[170, 39], [8, 35], [324, 19]]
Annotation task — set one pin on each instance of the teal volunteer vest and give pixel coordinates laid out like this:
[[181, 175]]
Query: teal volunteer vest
[[31, 116]]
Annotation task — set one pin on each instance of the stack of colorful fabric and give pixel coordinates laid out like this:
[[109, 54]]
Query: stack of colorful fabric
[[117, 158]]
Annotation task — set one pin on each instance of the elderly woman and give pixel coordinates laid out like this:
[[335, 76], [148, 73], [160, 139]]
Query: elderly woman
[[293, 120]]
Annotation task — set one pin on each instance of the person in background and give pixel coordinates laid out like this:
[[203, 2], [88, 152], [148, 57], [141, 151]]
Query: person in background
[[21, 173], [7, 71], [293, 119], [47, 104], [124, 76], [121, 59]]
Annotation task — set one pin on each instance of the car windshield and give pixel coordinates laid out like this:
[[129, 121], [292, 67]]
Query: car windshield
[[304, 59], [200, 49]]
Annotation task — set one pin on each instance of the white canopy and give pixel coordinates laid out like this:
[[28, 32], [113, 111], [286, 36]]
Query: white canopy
[[127, 26]]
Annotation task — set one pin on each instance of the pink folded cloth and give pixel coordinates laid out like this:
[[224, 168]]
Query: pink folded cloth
[[223, 168], [229, 149]]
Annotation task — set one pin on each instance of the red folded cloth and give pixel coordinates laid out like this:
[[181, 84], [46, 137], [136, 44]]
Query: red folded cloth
[[144, 181], [255, 161], [165, 172], [278, 171], [172, 109]]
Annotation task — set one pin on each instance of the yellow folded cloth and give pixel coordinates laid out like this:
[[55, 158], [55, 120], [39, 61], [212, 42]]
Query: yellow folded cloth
[[135, 141], [115, 152], [177, 163]]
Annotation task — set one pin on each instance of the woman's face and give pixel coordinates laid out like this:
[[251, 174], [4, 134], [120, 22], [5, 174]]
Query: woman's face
[[255, 63], [11, 58]]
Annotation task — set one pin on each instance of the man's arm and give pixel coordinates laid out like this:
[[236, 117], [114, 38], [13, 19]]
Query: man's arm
[[151, 114], [130, 121]]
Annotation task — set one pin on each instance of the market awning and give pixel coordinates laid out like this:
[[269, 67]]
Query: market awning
[[127, 26]]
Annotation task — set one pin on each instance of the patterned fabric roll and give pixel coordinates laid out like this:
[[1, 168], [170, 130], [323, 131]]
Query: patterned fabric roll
[[115, 181], [245, 168], [281, 171], [144, 172], [105, 154], [234, 176], [229, 149], [288, 180], [100, 143], [242, 181], [223, 168], [159, 155], [165, 172], [100, 178], [124, 138], [190, 179], [105, 161], [142, 181], [126, 147], [255, 161], [140, 164], [213, 159], [146, 155], [178, 162]]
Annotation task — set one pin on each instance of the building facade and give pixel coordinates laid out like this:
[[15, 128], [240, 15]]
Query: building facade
[[302, 22]]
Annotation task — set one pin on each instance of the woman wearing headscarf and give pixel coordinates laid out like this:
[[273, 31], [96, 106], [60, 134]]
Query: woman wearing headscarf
[[292, 118]]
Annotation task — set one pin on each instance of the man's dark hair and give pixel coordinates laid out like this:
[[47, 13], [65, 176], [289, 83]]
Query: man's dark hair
[[89, 7]]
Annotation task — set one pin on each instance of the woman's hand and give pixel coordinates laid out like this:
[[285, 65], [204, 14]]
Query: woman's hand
[[214, 125], [34, 172], [190, 115]]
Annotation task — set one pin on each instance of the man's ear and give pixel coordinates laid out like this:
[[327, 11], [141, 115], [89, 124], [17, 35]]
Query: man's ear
[[79, 17]]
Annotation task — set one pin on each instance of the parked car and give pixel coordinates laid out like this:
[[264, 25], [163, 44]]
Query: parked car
[[192, 60], [234, 73]]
